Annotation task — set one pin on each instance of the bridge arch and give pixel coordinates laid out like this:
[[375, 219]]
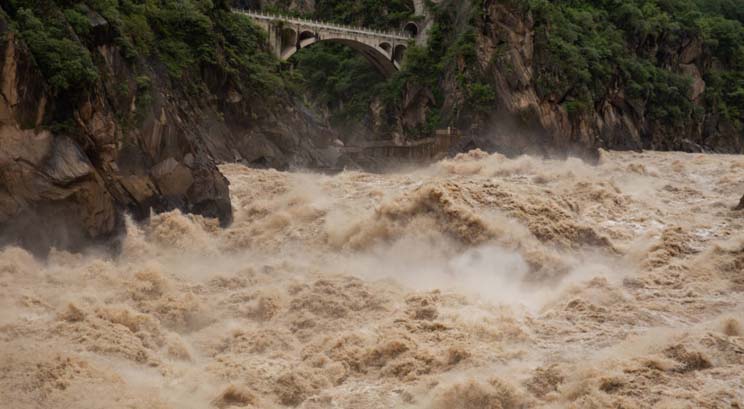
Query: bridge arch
[[287, 35], [398, 53], [384, 57], [387, 47], [307, 38]]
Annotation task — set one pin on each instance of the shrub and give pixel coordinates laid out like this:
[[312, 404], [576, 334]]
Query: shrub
[[64, 62]]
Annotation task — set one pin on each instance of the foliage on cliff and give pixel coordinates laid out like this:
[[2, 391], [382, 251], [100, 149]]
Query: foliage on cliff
[[451, 47], [339, 79], [585, 50], [344, 82], [181, 36], [368, 13], [66, 62]]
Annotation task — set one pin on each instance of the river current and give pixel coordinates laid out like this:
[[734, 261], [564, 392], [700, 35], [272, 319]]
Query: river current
[[476, 282]]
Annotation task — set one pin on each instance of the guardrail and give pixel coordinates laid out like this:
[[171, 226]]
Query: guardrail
[[320, 24]]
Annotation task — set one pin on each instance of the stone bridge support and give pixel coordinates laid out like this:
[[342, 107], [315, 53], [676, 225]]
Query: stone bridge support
[[423, 22]]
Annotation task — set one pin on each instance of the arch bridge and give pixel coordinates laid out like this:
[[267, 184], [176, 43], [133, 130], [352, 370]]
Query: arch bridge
[[287, 35]]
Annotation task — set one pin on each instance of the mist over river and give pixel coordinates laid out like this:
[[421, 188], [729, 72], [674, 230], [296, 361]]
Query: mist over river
[[476, 282]]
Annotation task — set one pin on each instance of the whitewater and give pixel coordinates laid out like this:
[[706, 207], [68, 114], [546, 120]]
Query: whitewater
[[477, 282]]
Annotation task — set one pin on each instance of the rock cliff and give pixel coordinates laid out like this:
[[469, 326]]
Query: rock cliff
[[73, 163], [555, 78], [618, 121], [494, 86]]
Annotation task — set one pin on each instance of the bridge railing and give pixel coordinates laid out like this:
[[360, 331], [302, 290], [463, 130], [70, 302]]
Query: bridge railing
[[320, 24]]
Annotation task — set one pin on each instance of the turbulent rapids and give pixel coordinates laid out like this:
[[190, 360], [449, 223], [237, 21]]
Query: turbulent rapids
[[477, 282]]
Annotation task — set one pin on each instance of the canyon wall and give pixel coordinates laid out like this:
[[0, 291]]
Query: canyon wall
[[72, 163], [493, 87]]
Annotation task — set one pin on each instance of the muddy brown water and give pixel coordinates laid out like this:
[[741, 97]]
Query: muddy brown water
[[477, 282]]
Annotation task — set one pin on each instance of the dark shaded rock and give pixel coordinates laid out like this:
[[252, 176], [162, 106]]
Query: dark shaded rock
[[741, 204], [209, 194]]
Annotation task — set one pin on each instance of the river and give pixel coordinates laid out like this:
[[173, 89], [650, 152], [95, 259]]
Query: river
[[476, 282]]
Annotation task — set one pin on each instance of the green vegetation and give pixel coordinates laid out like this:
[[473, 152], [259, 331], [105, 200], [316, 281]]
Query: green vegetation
[[380, 14], [66, 63], [451, 46], [338, 78], [586, 48], [184, 35], [346, 83], [585, 51]]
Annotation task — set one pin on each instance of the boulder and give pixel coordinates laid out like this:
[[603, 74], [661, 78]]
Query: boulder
[[172, 177], [50, 194]]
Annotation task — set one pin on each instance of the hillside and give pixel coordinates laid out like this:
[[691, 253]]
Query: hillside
[[532, 75]]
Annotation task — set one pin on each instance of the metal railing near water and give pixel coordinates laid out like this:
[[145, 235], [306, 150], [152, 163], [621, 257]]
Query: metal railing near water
[[260, 15]]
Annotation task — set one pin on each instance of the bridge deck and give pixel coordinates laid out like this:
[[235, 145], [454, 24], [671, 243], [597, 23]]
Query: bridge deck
[[325, 26]]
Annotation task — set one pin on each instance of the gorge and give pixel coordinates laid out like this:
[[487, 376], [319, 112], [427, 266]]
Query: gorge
[[131, 113], [202, 208]]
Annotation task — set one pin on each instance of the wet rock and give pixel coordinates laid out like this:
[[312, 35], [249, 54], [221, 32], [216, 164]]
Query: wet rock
[[67, 163]]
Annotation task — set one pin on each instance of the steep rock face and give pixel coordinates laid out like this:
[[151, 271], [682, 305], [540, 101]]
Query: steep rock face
[[48, 187], [506, 51], [66, 189], [519, 119], [522, 121], [69, 186]]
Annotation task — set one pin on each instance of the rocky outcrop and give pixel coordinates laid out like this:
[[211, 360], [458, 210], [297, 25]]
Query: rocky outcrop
[[50, 192], [741, 204], [68, 188], [121, 150], [521, 119]]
